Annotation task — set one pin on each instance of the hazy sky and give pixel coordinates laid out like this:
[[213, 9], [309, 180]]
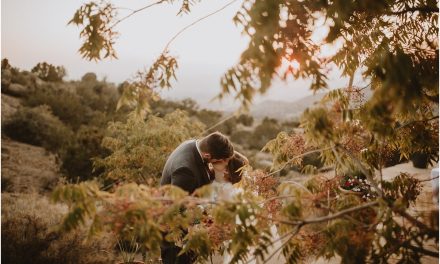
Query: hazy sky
[[36, 30]]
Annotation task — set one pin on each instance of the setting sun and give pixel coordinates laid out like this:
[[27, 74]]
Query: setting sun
[[289, 66], [294, 64]]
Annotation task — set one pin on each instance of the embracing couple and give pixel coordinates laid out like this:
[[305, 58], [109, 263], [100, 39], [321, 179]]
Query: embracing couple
[[210, 160]]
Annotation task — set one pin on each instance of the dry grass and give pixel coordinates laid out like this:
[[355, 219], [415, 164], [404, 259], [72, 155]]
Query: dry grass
[[27, 168], [30, 234]]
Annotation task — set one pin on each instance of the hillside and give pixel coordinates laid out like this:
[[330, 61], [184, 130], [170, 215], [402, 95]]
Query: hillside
[[25, 168], [284, 110]]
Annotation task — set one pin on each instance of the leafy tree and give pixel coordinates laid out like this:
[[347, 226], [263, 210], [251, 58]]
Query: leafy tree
[[397, 53], [89, 77], [49, 72], [5, 64]]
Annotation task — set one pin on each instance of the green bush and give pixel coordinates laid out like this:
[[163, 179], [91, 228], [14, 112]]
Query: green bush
[[139, 148], [77, 159], [208, 117], [87, 102], [267, 130], [241, 137], [97, 95], [38, 126], [65, 104], [30, 235]]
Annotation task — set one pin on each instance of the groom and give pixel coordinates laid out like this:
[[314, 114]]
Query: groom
[[187, 167]]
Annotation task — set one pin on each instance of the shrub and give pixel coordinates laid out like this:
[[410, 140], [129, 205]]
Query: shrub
[[24, 78], [89, 77], [6, 79], [267, 130], [65, 104], [38, 126], [139, 148], [241, 137], [49, 72], [97, 95], [77, 159], [246, 120], [29, 234]]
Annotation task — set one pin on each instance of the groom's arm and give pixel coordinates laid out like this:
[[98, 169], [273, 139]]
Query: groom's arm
[[184, 178]]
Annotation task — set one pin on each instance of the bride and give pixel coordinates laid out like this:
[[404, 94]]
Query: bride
[[227, 175]]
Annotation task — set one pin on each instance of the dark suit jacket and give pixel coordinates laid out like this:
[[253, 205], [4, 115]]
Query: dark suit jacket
[[185, 168]]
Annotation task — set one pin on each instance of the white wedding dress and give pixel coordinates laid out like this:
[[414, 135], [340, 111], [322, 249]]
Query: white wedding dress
[[224, 190]]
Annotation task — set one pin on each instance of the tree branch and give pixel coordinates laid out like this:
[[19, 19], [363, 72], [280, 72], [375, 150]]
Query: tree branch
[[294, 232], [417, 121], [421, 9], [297, 156], [424, 251], [430, 179], [339, 214], [195, 22], [217, 124], [411, 218], [324, 218], [136, 11]]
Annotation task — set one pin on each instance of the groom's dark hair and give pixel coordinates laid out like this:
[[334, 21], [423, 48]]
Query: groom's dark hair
[[218, 145]]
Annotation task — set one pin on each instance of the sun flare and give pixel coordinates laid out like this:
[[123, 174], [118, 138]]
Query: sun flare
[[294, 64], [291, 66]]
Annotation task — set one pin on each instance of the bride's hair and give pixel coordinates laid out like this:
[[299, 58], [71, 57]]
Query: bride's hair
[[237, 161]]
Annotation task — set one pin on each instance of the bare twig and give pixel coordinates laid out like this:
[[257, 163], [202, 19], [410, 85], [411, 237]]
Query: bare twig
[[421, 9], [340, 213], [217, 124], [297, 156], [299, 185], [195, 22], [277, 198], [282, 245], [430, 179], [411, 218], [416, 121], [290, 234], [323, 218], [136, 11], [424, 251]]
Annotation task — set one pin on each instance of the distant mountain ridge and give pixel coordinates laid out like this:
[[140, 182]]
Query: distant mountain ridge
[[283, 110]]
